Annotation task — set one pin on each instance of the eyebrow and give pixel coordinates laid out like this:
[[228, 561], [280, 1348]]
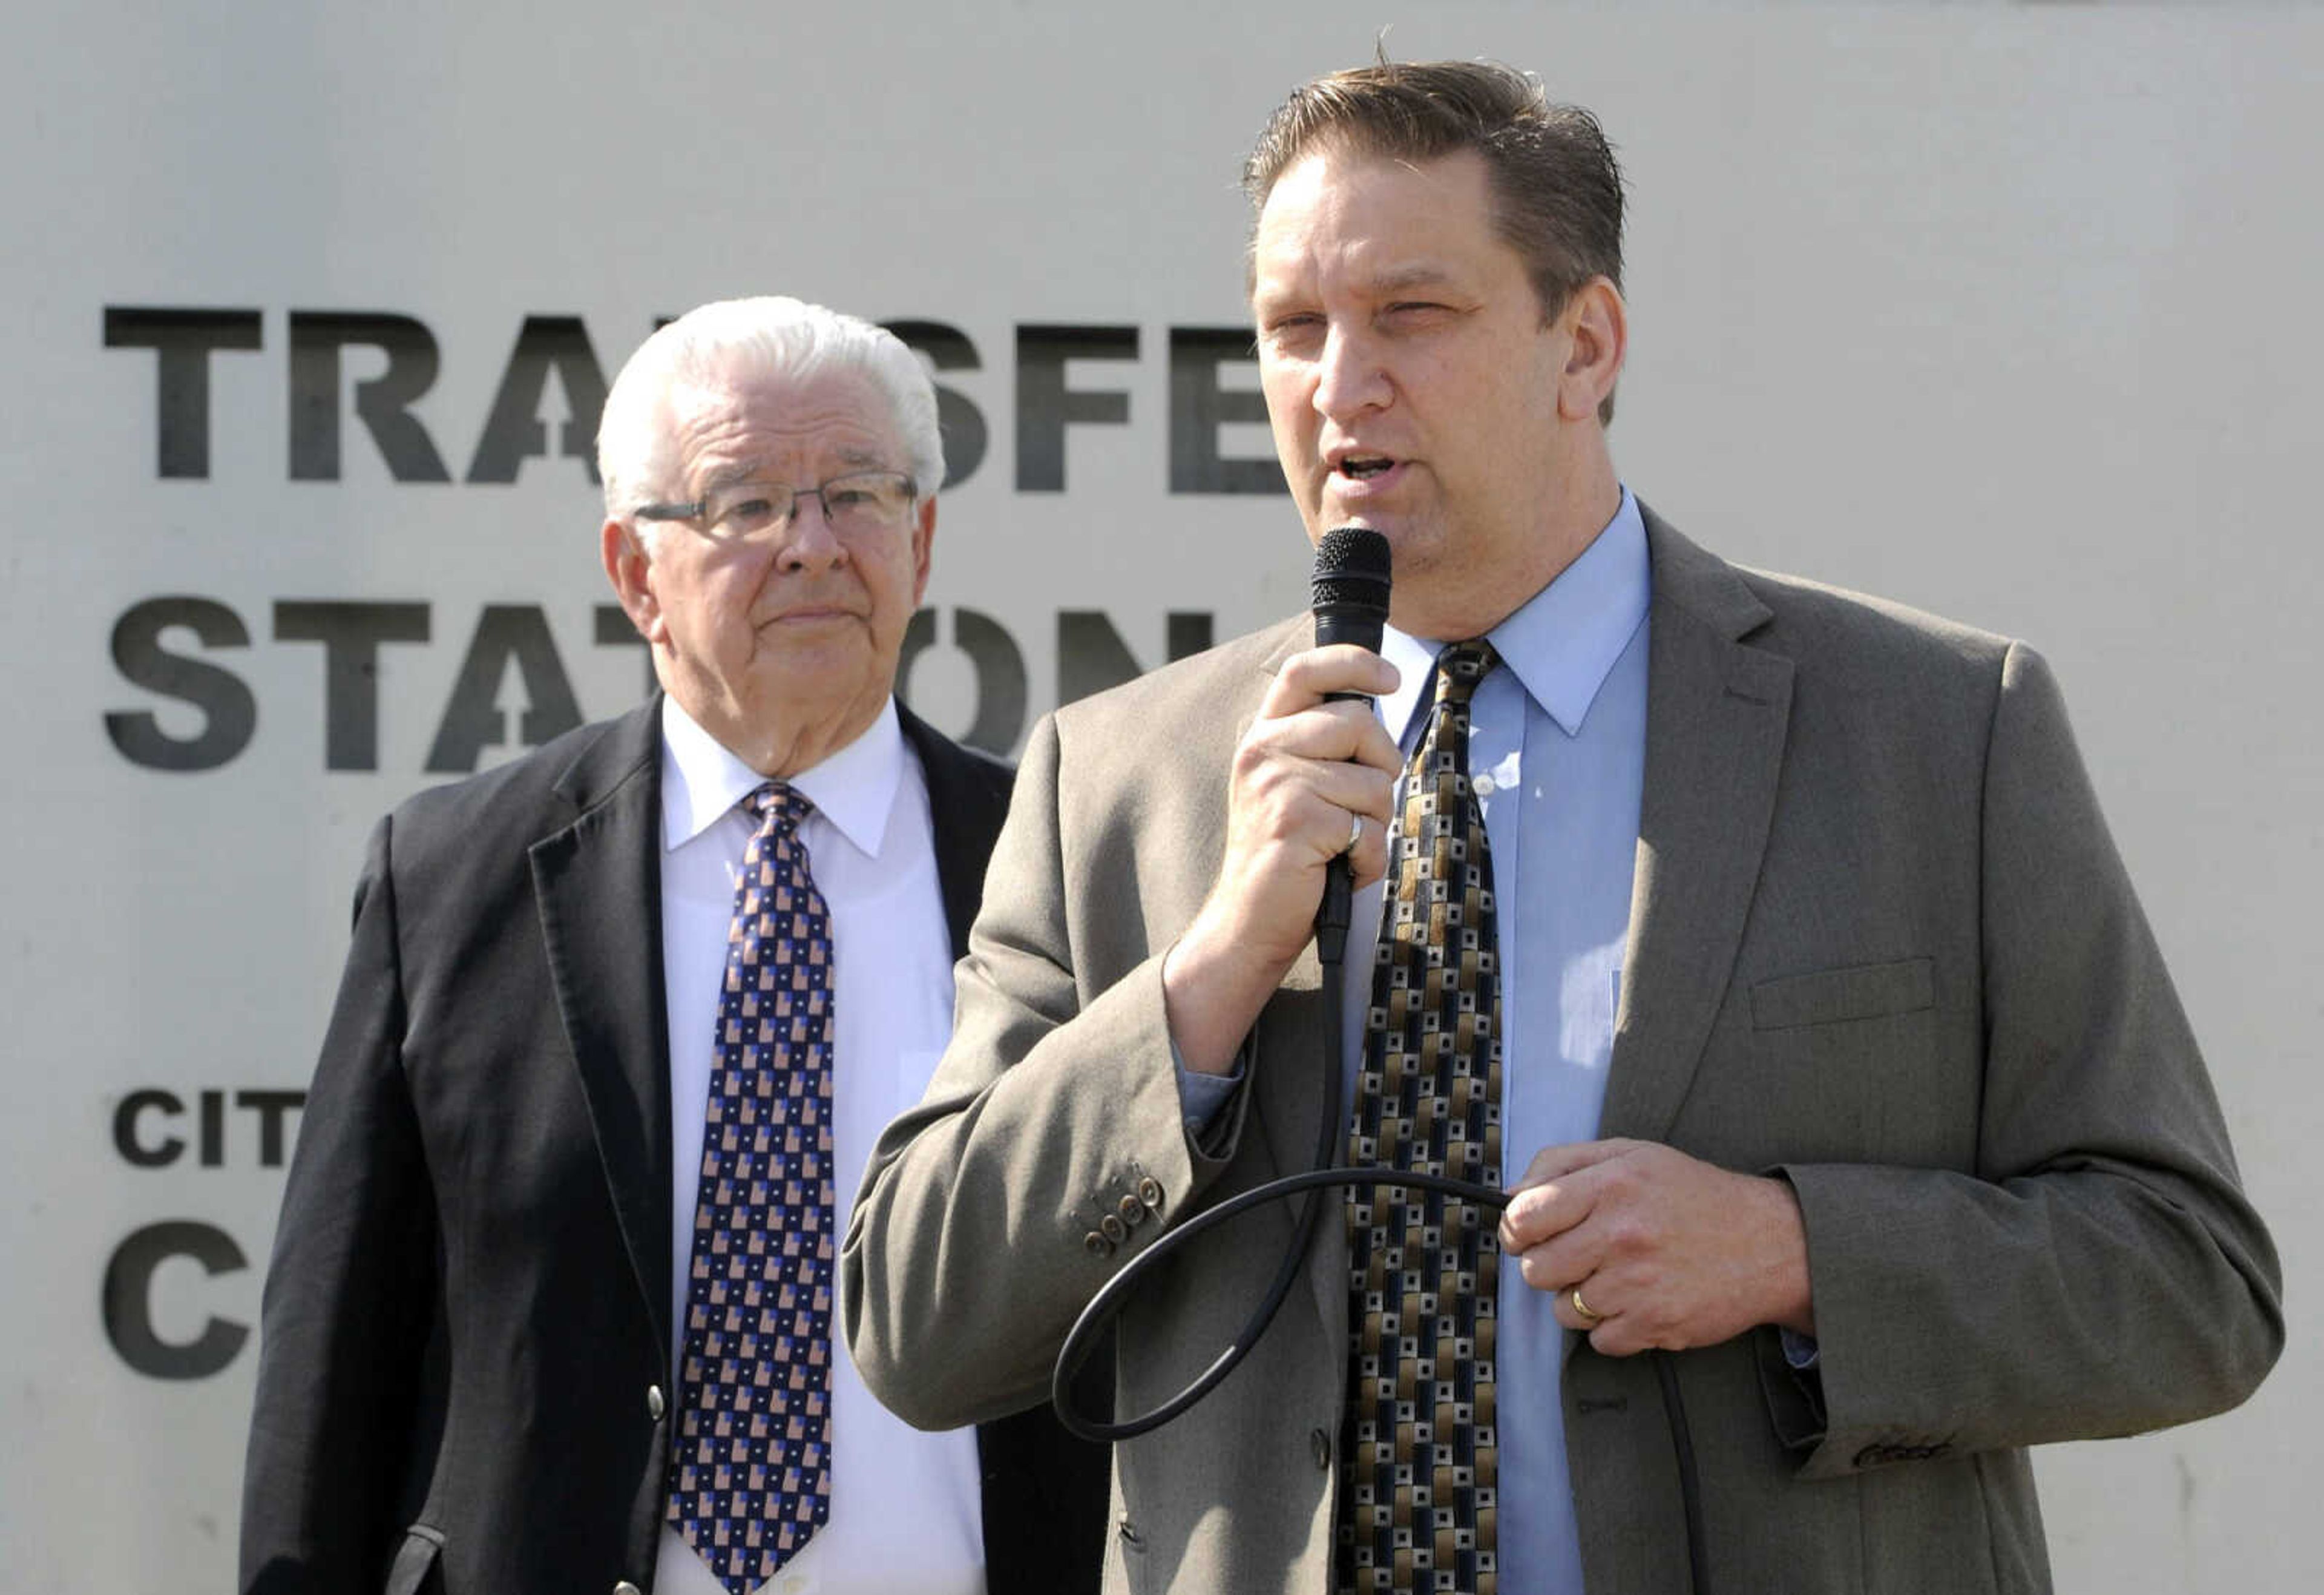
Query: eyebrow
[[852, 458], [1394, 280], [1424, 274]]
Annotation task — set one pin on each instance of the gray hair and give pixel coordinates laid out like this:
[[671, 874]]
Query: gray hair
[[735, 339]]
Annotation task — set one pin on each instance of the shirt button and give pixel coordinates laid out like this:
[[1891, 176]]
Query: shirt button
[[655, 1405], [1321, 1444]]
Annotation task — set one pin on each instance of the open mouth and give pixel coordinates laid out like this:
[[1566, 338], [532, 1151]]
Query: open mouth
[[1360, 467]]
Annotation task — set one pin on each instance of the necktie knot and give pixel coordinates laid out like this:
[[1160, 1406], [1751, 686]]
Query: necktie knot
[[1460, 666], [777, 806]]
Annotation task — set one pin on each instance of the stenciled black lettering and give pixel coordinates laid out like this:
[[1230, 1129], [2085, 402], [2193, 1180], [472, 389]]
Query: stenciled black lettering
[[508, 634], [229, 711], [351, 634], [999, 669], [128, 1300], [1091, 655], [382, 402], [182, 341], [1046, 406], [273, 1109], [958, 419], [515, 431], [1200, 406], [135, 1151]]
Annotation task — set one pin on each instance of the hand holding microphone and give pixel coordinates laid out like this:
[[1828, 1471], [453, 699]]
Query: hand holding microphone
[[1309, 788]]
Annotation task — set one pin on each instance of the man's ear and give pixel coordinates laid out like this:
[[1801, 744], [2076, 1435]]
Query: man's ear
[[1599, 329], [630, 567], [924, 535]]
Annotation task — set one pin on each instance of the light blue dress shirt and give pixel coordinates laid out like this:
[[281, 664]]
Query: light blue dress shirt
[[1557, 751]]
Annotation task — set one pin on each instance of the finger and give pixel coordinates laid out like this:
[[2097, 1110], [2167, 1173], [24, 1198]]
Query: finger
[[1558, 1262], [1368, 859], [1587, 1312], [1552, 1162], [1343, 733], [1305, 677], [1353, 789], [1540, 1213]]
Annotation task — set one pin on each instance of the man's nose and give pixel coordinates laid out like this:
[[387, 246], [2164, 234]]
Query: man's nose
[[1350, 375], [808, 542]]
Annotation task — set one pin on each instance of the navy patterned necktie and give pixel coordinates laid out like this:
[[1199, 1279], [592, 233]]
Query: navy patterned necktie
[[1419, 1495], [750, 1468]]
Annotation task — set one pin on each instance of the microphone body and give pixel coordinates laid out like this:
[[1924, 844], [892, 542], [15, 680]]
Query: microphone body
[[1350, 596]]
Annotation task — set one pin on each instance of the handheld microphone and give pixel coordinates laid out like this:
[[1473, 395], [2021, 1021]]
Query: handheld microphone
[[1350, 587], [1350, 592]]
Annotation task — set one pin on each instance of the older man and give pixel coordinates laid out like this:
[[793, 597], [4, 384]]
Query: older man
[[550, 1306], [1766, 940]]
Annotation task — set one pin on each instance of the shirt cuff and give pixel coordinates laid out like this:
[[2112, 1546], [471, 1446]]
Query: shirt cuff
[[1200, 1095]]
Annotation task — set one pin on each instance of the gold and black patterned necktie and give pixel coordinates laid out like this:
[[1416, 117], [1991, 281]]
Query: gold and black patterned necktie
[[1420, 1456]]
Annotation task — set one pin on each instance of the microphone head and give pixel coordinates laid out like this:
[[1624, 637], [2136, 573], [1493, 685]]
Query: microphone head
[[1352, 570]]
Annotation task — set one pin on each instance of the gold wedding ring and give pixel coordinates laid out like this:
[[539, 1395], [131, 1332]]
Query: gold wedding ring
[[1581, 1308]]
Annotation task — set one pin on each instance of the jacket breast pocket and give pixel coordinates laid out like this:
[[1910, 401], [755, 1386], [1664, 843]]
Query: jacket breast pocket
[[1832, 996], [413, 1569], [1846, 1067]]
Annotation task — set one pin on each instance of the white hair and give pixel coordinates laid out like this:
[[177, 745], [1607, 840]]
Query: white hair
[[732, 341]]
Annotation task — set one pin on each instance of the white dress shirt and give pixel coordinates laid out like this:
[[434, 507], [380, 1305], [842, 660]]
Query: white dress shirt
[[905, 1507]]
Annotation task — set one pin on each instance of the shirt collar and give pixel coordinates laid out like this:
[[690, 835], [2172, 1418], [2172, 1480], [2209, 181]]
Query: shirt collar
[[1562, 644], [702, 780]]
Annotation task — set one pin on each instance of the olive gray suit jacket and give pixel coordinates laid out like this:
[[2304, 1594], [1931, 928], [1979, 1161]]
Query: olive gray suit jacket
[[1880, 941]]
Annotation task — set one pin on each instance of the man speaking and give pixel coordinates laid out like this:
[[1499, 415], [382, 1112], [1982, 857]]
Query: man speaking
[[551, 1303], [1765, 939]]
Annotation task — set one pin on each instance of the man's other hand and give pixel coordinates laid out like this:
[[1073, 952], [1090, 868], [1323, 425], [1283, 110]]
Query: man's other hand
[[1663, 1250]]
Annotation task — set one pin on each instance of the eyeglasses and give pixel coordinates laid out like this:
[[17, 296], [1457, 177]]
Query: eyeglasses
[[858, 502]]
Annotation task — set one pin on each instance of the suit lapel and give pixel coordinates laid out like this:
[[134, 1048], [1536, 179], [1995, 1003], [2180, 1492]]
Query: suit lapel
[[598, 882], [1716, 714]]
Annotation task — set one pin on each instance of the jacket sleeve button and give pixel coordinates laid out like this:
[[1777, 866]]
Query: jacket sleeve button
[[1097, 1245], [1149, 1192], [1132, 1211], [625, 1587], [655, 1405], [1113, 1228]]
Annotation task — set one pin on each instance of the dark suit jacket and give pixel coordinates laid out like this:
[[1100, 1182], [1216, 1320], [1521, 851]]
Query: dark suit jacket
[[1878, 940], [468, 1303]]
